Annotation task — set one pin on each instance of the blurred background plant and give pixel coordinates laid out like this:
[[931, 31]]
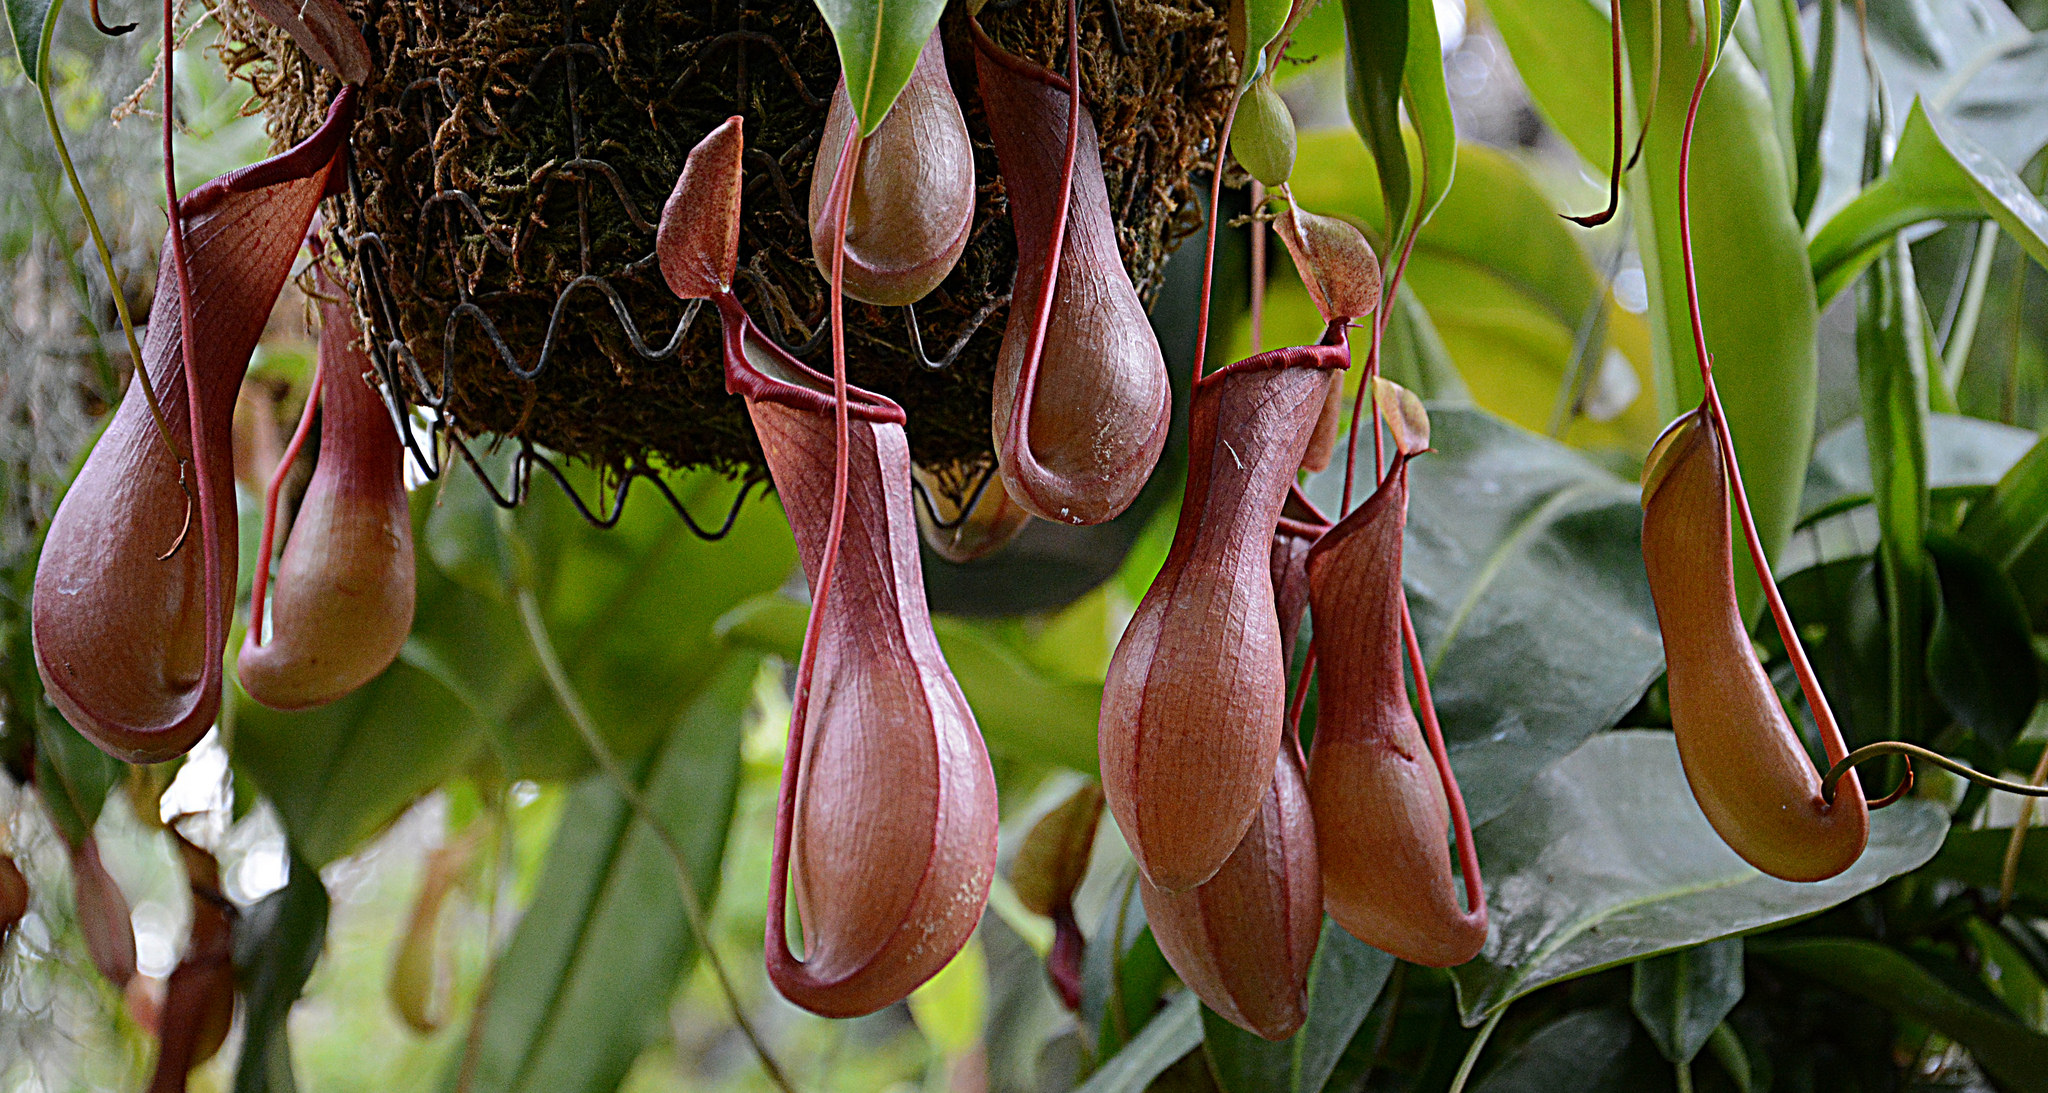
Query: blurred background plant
[[478, 910]]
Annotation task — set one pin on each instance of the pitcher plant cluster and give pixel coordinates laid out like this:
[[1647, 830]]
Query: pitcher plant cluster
[[1245, 835]]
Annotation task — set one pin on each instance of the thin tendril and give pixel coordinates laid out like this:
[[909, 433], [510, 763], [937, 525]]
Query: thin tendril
[[1472, 1053], [2009, 871], [615, 773], [1809, 683], [99, 242], [1372, 371], [100, 24], [270, 494], [1912, 752], [1461, 822], [1209, 247], [1594, 220]]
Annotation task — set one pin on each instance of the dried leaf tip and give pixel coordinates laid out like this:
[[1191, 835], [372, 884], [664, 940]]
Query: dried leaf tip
[[698, 240], [1403, 414], [323, 30], [1336, 264]]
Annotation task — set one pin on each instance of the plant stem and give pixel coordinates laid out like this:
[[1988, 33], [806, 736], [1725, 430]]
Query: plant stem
[[1956, 354], [261, 577], [1472, 1053], [2009, 872], [615, 773]]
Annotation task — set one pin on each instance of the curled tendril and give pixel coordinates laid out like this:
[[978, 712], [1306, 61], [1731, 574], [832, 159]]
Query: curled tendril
[[101, 26], [1912, 752]]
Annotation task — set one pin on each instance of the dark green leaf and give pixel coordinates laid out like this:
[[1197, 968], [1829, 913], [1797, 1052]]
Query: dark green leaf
[[2011, 1053], [1176, 1031], [31, 22], [1022, 1011], [577, 993], [1964, 454], [1891, 370], [1937, 173], [1607, 859], [1980, 658], [1343, 984], [1022, 711], [1377, 35], [1586, 1052], [1524, 572], [73, 776], [879, 41], [277, 942], [1682, 997]]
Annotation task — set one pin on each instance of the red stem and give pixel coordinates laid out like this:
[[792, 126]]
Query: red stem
[[779, 955], [1461, 823], [284, 466], [209, 521], [1594, 220], [1020, 439], [1372, 371], [1209, 249], [1823, 715]]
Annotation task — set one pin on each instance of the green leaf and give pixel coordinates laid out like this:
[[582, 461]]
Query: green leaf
[[277, 942], [1122, 973], [1265, 21], [578, 992], [2014, 518], [1176, 1031], [1937, 173], [879, 41], [1377, 35], [73, 776], [1682, 997], [1607, 859], [1891, 371], [1022, 1010], [1964, 456], [1343, 983], [1429, 110], [1524, 572], [2011, 1053], [32, 22], [1022, 712], [1980, 658]]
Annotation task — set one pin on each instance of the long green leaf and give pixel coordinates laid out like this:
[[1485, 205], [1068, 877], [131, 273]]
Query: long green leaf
[[1377, 37], [1122, 972], [1429, 111], [2013, 1054], [32, 22], [1937, 173], [1343, 983], [878, 41], [1176, 1031], [1891, 369], [1965, 457], [1609, 860], [1981, 662], [579, 989], [1265, 20], [2015, 517], [1586, 1051], [1977, 858]]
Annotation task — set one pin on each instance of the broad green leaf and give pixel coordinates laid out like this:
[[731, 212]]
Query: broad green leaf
[[2014, 518], [1977, 858], [1964, 456], [1377, 37], [878, 41], [2015, 1056], [1022, 712], [338, 774], [1524, 572], [949, 1007], [1122, 972], [1343, 983], [1981, 662], [1682, 997], [578, 992], [1586, 1052], [1891, 371], [1937, 173], [32, 22], [1265, 20], [1412, 354], [277, 942], [1607, 859], [1176, 1031]]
